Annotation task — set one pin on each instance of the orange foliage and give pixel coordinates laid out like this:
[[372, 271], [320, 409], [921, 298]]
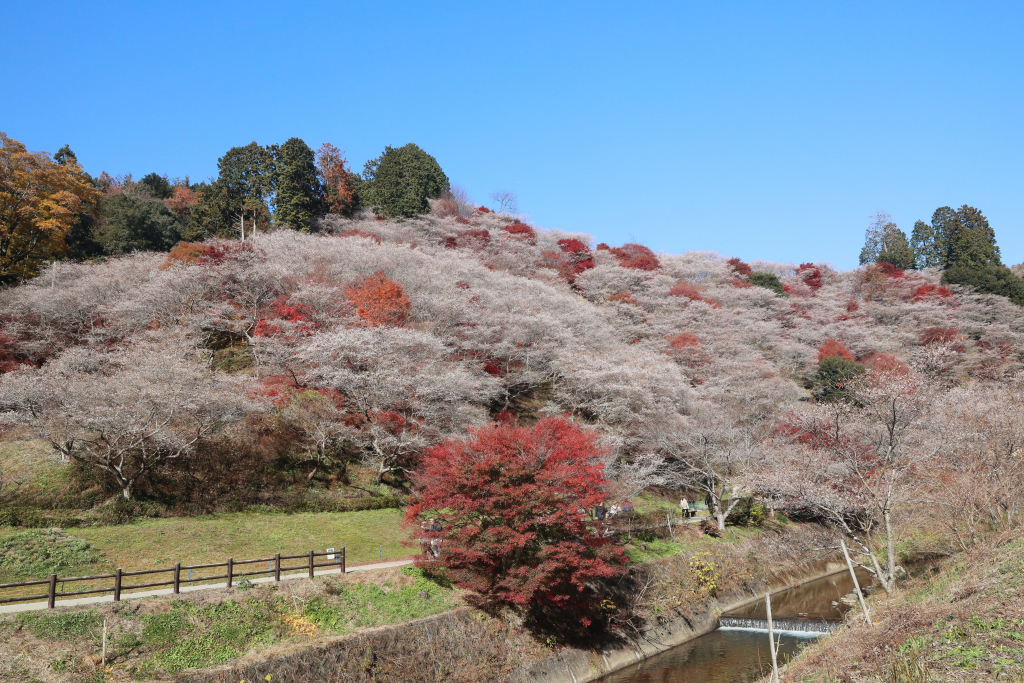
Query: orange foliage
[[337, 179], [942, 335], [360, 233], [379, 301], [833, 347], [181, 202], [683, 340], [739, 267]]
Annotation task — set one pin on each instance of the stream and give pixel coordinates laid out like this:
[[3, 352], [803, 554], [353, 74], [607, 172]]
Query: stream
[[737, 652]]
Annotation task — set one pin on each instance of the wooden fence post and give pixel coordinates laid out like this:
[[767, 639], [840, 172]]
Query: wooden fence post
[[177, 576], [277, 567], [311, 564], [117, 585], [342, 560], [52, 597], [231, 570]]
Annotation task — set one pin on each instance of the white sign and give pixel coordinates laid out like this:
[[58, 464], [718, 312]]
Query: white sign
[[330, 554]]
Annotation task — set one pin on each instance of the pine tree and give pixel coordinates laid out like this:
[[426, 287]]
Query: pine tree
[[299, 196]]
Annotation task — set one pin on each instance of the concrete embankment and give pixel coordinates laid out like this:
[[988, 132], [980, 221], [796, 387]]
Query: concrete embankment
[[468, 645], [675, 628]]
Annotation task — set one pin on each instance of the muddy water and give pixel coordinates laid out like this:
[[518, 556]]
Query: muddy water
[[741, 655]]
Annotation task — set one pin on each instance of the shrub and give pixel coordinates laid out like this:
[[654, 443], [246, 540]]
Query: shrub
[[379, 300], [834, 375], [770, 281], [522, 231], [709, 528], [833, 347], [938, 335], [988, 279], [360, 233], [509, 503], [636, 256]]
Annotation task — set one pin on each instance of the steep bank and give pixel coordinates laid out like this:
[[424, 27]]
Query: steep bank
[[963, 623]]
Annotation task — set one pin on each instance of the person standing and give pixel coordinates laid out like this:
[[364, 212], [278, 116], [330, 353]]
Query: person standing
[[684, 507]]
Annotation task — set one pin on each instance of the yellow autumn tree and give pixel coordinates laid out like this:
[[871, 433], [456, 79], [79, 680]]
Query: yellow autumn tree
[[40, 201]]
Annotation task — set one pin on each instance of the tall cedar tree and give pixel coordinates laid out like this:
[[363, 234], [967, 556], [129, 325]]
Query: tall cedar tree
[[40, 202], [135, 224], [299, 198], [511, 504], [927, 246], [243, 187], [400, 181]]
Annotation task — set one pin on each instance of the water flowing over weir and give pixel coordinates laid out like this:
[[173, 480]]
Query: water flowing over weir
[[737, 652], [811, 628]]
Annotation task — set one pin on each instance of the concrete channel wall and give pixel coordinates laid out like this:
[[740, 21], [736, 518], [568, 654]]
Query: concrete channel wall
[[419, 651], [581, 666]]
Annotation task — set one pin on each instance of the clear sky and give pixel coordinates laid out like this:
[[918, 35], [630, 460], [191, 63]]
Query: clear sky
[[756, 129]]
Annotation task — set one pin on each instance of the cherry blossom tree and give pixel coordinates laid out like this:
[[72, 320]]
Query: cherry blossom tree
[[126, 412]]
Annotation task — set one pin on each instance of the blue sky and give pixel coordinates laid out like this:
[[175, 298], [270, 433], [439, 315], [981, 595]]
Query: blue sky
[[760, 130]]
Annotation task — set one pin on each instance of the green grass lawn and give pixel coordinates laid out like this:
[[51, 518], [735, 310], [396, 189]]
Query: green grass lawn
[[158, 543]]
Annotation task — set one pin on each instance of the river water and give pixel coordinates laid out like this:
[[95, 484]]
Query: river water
[[740, 655]]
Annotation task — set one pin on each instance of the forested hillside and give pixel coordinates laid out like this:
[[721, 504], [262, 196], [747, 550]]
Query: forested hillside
[[225, 368]]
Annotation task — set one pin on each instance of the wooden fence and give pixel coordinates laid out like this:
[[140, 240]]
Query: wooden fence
[[119, 576]]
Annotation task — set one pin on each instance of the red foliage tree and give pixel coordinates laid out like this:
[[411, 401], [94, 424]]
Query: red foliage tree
[[510, 502], [890, 270], [810, 275], [636, 256], [522, 231], [925, 292], [339, 191], [939, 335], [833, 347], [379, 301], [739, 267], [181, 203]]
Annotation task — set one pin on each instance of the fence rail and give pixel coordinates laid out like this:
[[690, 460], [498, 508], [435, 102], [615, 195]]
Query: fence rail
[[276, 567]]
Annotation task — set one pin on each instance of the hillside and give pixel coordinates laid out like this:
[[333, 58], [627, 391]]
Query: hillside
[[408, 332]]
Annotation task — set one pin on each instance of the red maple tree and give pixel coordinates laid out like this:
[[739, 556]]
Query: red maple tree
[[511, 503]]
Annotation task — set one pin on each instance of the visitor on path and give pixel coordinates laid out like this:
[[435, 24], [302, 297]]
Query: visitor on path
[[684, 507], [435, 540]]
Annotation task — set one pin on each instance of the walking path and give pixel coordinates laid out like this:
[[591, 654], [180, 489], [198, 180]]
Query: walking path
[[29, 606]]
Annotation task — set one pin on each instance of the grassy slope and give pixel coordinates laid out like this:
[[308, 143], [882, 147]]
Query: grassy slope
[[963, 624], [161, 636], [157, 543]]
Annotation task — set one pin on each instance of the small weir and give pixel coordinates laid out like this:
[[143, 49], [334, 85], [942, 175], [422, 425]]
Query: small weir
[[737, 652], [811, 628]]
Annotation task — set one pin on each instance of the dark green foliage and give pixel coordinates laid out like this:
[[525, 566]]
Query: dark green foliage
[[299, 196], [244, 186], [970, 241], [747, 513], [67, 626], [834, 375], [215, 214], [81, 239], [134, 224], [767, 280], [41, 552], [157, 185], [399, 182], [886, 243], [64, 156], [193, 636], [960, 238], [987, 279], [896, 251], [248, 172], [35, 518], [927, 246]]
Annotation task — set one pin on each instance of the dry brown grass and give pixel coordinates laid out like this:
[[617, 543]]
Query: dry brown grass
[[965, 623]]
